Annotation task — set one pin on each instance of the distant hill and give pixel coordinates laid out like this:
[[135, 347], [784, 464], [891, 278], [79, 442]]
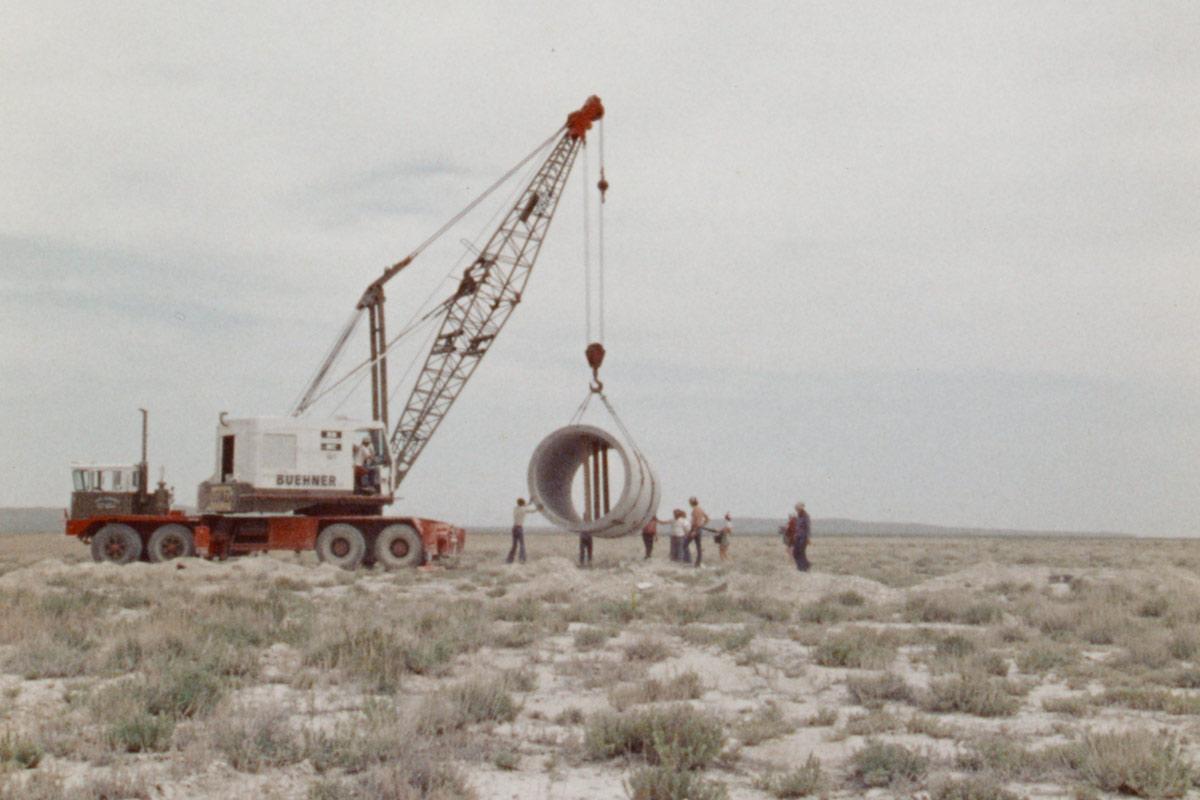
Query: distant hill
[[833, 526], [35, 520], [853, 527], [31, 520]]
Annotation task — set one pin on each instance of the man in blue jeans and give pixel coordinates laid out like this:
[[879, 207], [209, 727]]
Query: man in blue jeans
[[800, 542], [521, 511]]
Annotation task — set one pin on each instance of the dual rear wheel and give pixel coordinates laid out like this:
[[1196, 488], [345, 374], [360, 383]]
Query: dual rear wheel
[[121, 544], [396, 546]]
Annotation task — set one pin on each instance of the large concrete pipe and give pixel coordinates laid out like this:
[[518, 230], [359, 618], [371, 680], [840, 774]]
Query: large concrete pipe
[[561, 456]]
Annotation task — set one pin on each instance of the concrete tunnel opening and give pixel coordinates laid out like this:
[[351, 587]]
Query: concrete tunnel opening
[[586, 480]]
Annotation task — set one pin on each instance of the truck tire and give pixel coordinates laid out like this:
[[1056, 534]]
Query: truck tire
[[341, 545], [117, 543], [170, 541], [399, 546]]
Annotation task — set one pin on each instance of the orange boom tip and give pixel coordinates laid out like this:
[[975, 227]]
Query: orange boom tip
[[580, 122]]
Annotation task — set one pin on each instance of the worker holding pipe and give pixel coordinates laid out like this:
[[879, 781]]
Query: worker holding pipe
[[520, 511], [650, 533]]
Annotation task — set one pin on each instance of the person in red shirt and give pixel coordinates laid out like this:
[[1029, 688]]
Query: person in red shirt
[[649, 534]]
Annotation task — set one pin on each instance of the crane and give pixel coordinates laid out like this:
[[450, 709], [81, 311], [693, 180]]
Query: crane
[[489, 290], [292, 483]]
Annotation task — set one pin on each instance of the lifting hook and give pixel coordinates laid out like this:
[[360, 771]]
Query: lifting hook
[[595, 358]]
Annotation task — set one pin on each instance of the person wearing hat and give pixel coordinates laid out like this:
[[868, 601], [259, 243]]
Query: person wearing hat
[[800, 542]]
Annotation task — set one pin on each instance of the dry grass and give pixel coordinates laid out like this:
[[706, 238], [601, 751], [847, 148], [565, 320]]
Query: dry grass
[[804, 781], [678, 737], [860, 648], [767, 722], [883, 764], [684, 686], [435, 685]]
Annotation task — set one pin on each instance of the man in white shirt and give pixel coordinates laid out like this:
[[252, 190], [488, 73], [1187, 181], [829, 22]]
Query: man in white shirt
[[520, 511], [679, 530]]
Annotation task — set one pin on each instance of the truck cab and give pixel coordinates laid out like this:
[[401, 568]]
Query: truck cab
[[289, 464], [112, 489]]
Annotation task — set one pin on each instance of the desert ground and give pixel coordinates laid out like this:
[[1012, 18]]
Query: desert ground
[[950, 669]]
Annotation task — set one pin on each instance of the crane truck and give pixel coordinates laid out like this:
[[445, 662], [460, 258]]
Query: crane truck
[[297, 483]]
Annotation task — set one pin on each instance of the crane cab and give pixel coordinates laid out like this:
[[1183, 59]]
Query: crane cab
[[281, 464]]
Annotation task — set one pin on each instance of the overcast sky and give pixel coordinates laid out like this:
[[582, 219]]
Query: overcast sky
[[928, 262]]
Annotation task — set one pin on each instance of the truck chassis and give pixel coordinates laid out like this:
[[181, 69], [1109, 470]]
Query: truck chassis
[[345, 541]]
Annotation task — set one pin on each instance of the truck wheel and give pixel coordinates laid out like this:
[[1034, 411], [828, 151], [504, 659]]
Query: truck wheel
[[341, 545], [117, 543], [170, 541], [399, 546]]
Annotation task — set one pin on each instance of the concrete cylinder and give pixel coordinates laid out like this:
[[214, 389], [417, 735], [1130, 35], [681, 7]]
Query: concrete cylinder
[[552, 471]]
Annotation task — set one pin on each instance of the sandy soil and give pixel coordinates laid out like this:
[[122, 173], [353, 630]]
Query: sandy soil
[[873, 587]]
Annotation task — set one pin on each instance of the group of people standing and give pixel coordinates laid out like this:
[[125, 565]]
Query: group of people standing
[[685, 530], [688, 529]]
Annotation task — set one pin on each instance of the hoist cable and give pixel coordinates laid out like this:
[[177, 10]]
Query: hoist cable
[[471, 206], [417, 320], [416, 357], [578, 415], [484, 230], [311, 394], [305, 399], [612, 412], [587, 249], [600, 234]]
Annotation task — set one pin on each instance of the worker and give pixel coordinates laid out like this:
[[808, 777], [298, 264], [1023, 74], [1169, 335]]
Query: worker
[[364, 455], [649, 534], [585, 549], [695, 534], [723, 537], [521, 511], [800, 540], [679, 529]]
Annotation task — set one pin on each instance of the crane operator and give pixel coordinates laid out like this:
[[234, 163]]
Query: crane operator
[[364, 467]]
